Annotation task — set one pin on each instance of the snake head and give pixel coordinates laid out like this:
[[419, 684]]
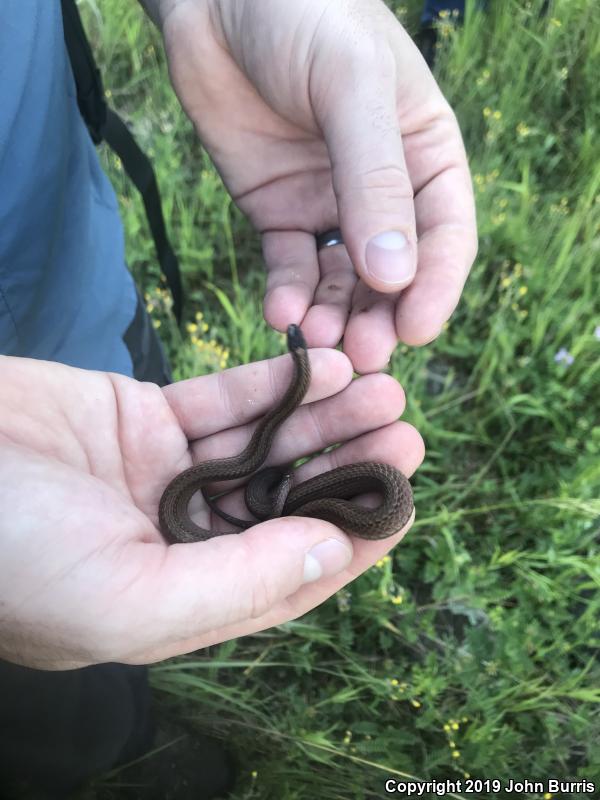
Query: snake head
[[295, 338]]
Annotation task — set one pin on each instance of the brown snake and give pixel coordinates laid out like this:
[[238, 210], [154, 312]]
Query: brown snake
[[268, 493]]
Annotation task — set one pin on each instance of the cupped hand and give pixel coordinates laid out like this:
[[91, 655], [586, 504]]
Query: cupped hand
[[320, 115], [85, 575]]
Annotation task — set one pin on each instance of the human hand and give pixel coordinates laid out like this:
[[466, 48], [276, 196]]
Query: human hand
[[318, 115], [85, 575]]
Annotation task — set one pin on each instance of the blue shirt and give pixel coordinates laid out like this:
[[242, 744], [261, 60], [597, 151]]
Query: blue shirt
[[65, 292]]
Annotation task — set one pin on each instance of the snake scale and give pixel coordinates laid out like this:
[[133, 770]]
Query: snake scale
[[269, 493]]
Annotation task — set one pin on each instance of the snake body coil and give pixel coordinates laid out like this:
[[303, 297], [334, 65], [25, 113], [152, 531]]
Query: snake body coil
[[268, 494]]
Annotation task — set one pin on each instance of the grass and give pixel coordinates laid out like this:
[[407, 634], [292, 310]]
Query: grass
[[472, 650]]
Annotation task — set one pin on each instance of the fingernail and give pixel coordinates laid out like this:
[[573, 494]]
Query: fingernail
[[325, 559], [389, 258]]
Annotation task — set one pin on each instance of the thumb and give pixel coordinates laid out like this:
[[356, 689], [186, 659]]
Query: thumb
[[230, 579], [370, 178]]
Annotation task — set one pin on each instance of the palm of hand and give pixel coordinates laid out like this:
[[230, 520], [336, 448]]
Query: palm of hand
[[86, 445]]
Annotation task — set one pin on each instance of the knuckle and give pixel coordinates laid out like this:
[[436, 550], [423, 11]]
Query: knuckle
[[393, 178], [256, 594], [261, 596]]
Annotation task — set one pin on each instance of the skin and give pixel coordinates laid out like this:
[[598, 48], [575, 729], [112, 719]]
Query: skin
[[317, 115], [86, 577]]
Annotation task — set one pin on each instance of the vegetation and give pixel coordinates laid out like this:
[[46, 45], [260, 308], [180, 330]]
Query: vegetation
[[472, 649]]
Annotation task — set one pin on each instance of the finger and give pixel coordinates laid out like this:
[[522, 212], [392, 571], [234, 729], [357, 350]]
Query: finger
[[189, 589], [326, 320], [446, 226], [236, 396], [365, 405], [447, 249], [296, 605], [370, 336], [398, 444], [303, 285], [377, 398], [292, 276], [358, 115]]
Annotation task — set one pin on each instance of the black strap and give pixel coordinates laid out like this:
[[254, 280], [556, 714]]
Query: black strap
[[104, 124], [137, 165]]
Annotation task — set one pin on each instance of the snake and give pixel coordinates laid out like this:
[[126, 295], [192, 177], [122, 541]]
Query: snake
[[270, 493]]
